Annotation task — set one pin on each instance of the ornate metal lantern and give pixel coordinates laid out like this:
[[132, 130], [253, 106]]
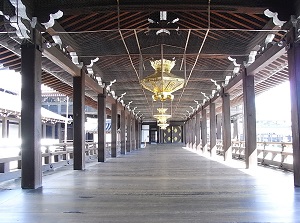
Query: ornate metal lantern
[[162, 83]]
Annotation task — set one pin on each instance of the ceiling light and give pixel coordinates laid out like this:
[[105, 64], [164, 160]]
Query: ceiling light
[[163, 125], [161, 116], [162, 83]]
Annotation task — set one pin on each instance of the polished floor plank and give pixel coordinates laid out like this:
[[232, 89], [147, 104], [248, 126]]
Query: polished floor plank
[[159, 183]]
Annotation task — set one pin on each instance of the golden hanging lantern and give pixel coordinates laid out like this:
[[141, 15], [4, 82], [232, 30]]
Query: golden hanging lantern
[[162, 83], [161, 116], [163, 125]]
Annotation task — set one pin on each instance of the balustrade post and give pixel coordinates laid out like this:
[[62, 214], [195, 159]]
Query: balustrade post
[[4, 167], [282, 154], [47, 158], [65, 156]]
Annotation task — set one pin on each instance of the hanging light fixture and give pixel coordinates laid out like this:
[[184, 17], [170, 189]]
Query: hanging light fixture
[[162, 83], [161, 116], [163, 125]]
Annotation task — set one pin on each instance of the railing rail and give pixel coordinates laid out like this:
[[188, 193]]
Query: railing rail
[[53, 156], [279, 154]]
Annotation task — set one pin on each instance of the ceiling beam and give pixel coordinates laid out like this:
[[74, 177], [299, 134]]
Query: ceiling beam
[[266, 58], [132, 6]]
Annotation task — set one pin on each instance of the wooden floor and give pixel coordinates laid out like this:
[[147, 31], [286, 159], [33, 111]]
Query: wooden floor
[[159, 183]]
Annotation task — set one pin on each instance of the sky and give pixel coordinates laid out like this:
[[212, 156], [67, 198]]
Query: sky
[[271, 105], [274, 104]]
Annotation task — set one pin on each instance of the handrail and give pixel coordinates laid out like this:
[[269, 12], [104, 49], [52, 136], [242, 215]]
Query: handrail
[[53, 156], [279, 154]]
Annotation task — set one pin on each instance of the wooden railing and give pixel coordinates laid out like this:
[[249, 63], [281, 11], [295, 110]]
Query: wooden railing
[[279, 154], [53, 156]]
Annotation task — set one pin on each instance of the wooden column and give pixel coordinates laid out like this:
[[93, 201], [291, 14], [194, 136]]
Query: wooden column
[[128, 130], [249, 121], [114, 120], [212, 134], [123, 132], [133, 146], [226, 128], [294, 74], [31, 113], [194, 145], [78, 121], [139, 124], [204, 131], [189, 132], [4, 127], [184, 133], [161, 135], [198, 135], [101, 127]]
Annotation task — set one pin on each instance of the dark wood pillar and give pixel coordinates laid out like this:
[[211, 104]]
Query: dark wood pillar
[[133, 146], [31, 113], [294, 74], [212, 129], [184, 133], [194, 133], [78, 121], [249, 121], [219, 126], [160, 135], [101, 127], [226, 128], [204, 131], [139, 138], [128, 142], [123, 132], [114, 120], [198, 135], [191, 133]]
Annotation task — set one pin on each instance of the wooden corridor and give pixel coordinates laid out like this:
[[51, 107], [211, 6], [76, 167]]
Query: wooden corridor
[[159, 183]]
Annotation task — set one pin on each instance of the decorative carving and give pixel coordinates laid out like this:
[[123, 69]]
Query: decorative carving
[[274, 17]]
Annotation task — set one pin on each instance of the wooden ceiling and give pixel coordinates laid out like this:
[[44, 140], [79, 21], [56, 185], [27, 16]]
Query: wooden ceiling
[[123, 37]]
